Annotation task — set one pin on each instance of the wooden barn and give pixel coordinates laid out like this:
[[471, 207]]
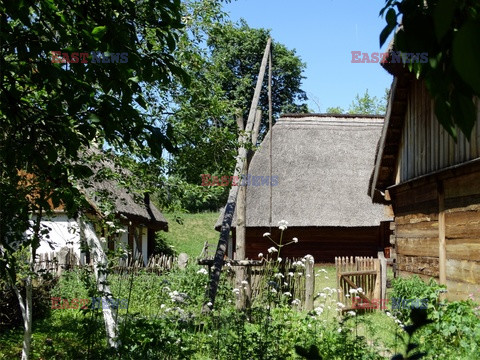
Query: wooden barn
[[321, 166], [432, 185]]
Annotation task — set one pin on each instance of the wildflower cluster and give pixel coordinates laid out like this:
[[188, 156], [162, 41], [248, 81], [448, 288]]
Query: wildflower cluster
[[282, 226]]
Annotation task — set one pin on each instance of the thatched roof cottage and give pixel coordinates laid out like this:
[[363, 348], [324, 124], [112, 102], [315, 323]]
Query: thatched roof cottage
[[322, 164], [139, 218]]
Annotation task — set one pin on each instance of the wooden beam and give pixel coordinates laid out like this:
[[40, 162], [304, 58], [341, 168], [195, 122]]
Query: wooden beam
[[442, 249], [256, 126], [232, 196]]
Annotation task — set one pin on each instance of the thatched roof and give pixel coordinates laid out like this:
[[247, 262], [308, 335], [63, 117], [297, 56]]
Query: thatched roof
[[323, 163], [128, 204]]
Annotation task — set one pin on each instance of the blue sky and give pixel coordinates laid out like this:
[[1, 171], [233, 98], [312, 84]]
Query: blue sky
[[323, 33]]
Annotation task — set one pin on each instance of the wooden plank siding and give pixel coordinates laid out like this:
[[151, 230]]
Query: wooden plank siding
[[425, 146], [323, 243], [417, 230]]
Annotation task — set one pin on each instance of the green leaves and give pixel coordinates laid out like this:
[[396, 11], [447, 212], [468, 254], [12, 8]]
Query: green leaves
[[98, 32], [448, 31], [466, 54], [391, 18], [442, 17]]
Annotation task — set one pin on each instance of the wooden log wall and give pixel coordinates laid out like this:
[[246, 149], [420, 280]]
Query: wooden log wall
[[426, 147], [417, 228], [323, 243]]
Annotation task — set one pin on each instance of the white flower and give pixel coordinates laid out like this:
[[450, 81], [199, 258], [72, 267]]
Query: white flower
[[319, 310], [209, 304], [282, 223], [244, 282], [326, 277], [296, 302], [202, 271], [260, 255], [110, 223], [272, 250], [340, 305], [388, 313], [295, 240], [236, 291], [360, 290], [339, 330], [279, 275], [352, 313], [279, 259], [274, 291], [353, 291], [290, 274], [347, 295], [323, 295], [266, 234], [287, 294]]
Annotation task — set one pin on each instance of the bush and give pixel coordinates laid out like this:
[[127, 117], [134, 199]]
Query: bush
[[10, 313]]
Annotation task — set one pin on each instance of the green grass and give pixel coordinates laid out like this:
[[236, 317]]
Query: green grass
[[189, 234]]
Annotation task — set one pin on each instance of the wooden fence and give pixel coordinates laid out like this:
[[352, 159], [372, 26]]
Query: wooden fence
[[361, 282], [293, 276], [56, 262]]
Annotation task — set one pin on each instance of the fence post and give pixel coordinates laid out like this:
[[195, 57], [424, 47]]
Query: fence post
[[309, 282], [383, 274]]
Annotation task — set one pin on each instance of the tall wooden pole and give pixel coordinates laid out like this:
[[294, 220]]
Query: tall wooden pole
[[232, 196], [442, 250], [270, 125]]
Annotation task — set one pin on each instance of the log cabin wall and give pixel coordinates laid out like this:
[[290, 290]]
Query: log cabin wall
[[430, 164], [323, 243]]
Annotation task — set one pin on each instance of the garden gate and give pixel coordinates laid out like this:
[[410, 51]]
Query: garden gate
[[365, 273]]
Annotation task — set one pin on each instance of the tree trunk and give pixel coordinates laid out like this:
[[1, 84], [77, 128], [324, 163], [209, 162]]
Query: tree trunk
[[26, 309], [100, 264]]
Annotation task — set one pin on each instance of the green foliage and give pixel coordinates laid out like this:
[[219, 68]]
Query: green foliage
[[453, 328], [367, 105], [448, 31], [364, 105], [10, 315], [415, 288], [223, 60], [418, 320], [335, 110], [178, 195], [49, 112], [237, 52]]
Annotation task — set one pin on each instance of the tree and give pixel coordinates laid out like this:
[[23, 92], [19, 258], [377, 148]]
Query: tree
[[448, 31], [223, 78], [52, 106], [335, 110], [367, 105], [363, 105], [237, 51]]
